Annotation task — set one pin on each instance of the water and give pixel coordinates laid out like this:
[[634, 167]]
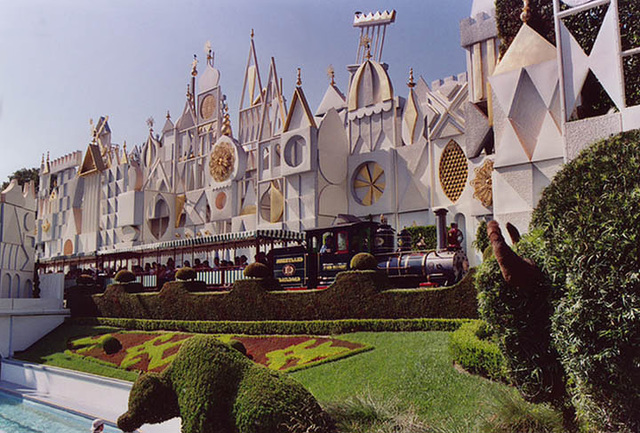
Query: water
[[18, 415]]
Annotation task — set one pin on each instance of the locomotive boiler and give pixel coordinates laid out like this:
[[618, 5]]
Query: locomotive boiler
[[328, 251]]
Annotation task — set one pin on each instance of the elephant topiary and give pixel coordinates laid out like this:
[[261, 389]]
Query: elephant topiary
[[215, 389]]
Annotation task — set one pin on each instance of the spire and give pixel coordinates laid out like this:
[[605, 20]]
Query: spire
[[299, 80], [526, 11], [124, 158], [150, 123], [252, 85], [365, 42], [194, 65], [226, 121], [411, 84], [168, 116], [331, 74]]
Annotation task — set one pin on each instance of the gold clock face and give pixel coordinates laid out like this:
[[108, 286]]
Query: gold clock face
[[222, 162], [207, 107]]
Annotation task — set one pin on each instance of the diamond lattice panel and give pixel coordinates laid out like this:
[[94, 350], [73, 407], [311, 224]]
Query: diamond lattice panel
[[454, 171]]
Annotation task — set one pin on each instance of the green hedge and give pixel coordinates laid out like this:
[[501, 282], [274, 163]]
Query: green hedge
[[311, 327], [354, 295], [425, 233], [476, 354]]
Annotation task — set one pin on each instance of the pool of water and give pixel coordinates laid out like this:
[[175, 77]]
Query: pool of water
[[18, 415]]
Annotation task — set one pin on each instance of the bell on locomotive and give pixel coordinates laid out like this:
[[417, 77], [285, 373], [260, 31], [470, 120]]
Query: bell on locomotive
[[384, 240]]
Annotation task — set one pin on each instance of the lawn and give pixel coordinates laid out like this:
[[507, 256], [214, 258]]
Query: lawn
[[406, 369], [412, 368]]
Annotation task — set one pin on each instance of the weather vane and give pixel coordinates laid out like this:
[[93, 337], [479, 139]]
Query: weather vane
[[208, 52], [365, 41]]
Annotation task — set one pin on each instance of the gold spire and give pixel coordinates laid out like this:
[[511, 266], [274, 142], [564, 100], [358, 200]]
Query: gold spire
[[226, 121], [411, 83], [331, 73], [42, 162], [365, 41], [526, 12], [124, 159], [194, 64], [299, 80], [150, 123]]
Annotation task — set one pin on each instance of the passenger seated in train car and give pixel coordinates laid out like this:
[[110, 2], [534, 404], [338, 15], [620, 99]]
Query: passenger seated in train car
[[328, 244], [343, 242], [454, 237]]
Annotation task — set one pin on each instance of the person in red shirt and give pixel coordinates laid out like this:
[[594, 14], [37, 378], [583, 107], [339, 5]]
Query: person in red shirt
[[454, 237]]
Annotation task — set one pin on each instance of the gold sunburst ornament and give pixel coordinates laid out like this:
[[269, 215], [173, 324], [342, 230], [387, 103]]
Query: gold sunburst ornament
[[222, 162], [369, 183], [482, 184]]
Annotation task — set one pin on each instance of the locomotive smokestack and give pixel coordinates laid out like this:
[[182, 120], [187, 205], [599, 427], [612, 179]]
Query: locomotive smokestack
[[441, 228]]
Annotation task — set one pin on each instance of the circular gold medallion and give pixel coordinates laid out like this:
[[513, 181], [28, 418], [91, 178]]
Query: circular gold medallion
[[207, 107], [222, 162]]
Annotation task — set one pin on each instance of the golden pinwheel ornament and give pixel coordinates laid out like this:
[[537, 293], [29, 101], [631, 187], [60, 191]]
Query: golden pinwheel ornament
[[369, 183]]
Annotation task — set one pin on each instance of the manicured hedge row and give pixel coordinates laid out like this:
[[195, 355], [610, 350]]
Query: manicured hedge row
[[354, 295], [477, 355], [312, 327]]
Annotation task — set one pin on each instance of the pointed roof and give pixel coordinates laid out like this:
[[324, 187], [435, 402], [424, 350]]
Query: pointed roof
[[299, 110], [92, 162], [252, 84], [370, 85], [168, 124], [528, 48], [187, 119], [333, 98], [274, 105]]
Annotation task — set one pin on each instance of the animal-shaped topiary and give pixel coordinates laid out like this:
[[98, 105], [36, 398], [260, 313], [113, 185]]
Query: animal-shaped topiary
[[215, 389]]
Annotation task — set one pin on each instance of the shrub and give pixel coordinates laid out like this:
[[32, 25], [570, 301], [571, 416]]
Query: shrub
[[591, 243], [363, 262], [85, 280], [125, 276], [423, 237], [236, 344], [481, 242], [186, 274], [520, 317], [110, 344], [513, 415], [470, 347], [257, 270]]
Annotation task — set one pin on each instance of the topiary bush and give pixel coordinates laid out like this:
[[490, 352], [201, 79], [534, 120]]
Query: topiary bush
[[471, 347], [364, 262], [591, 250], [110, 344], [257, 270], [214, 389], [423, 237], [125, 276], [237, 344], [481, 242], [186, 274], [85, 280]]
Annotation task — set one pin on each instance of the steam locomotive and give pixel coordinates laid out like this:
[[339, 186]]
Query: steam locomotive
[[328, 251]]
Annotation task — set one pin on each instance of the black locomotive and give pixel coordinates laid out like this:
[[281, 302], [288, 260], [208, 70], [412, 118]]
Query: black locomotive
[[329, 250]]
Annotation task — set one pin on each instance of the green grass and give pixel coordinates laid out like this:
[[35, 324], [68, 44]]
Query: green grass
[[414, 370], [52, 350]]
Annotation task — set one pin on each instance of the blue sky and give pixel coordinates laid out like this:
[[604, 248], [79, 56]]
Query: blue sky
[[64, 62]]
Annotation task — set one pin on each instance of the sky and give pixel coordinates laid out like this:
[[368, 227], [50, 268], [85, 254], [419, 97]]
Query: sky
[[64, 62]]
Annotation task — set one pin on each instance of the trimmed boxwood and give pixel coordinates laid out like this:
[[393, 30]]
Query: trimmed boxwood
[[257, 270], [590, 250], [125, 276], [214, 388], [471, 349], [186, 274], [110, 344], [298, 327], [364, 262]]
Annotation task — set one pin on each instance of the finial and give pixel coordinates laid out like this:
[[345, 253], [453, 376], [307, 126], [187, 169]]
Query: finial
[[226, 121], [252, 34], [150, 123], [208, 52], [411, 83], [188, 91], [299, 80], [526, 11], [365, 41], [47, 156], [124, 146], [168, 115], [42, 162], [331, 73], [194, 64]]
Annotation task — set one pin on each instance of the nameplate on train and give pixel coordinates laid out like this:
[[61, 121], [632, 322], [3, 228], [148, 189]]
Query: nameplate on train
[[334, 266]]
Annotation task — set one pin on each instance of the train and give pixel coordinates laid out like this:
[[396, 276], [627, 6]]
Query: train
[[329, 250]]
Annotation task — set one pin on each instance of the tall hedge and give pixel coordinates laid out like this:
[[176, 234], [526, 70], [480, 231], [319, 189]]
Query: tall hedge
[[589, 217], [354, 295]]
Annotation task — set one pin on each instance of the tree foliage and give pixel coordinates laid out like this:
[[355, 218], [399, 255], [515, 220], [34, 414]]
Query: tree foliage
[[23, 175]]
